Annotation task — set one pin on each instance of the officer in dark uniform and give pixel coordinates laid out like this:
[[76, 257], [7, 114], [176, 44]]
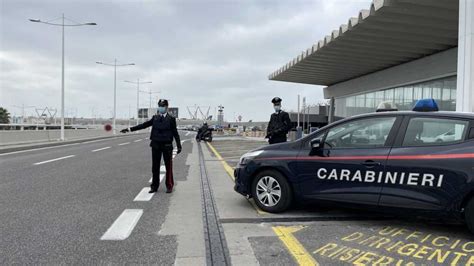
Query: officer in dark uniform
[[162, 133], [279, 124]]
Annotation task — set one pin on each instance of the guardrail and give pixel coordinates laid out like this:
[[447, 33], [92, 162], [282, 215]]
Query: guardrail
[[45, 126]]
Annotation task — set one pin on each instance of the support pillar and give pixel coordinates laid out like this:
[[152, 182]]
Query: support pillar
[[465, 71]]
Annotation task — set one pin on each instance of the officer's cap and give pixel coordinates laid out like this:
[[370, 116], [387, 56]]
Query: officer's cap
[[163, 102], [276, 100]]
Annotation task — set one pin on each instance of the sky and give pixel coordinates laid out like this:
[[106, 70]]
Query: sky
[[195, 53]]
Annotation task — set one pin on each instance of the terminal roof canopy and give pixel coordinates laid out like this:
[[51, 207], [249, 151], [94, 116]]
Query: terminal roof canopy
[[390, 33]]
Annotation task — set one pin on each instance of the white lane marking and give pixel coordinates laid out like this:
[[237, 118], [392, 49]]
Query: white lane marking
[[123, 225], [145, 139], [138, 140], [52, 160], [101, 149], [187, 134], [144, 195], [125, 143], [162, 176]]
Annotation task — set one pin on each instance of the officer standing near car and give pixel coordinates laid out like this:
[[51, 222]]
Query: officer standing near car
[[162, 133], [279, 124]]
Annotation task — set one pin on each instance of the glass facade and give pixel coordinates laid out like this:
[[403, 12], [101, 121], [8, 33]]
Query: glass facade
[[442, 90]]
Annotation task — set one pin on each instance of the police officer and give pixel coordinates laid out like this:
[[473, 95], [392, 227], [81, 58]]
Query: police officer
[[162, 133], [279, 124]]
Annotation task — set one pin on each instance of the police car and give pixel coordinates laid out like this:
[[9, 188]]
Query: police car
[[393, 161]]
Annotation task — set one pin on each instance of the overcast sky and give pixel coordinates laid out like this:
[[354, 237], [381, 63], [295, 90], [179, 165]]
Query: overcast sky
[[202, 53]]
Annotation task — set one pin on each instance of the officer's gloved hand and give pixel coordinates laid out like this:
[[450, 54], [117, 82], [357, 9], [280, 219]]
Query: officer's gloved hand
[[125, 130], [179, 150]]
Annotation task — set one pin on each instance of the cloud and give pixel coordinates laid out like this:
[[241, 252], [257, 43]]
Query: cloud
[[196, 53]]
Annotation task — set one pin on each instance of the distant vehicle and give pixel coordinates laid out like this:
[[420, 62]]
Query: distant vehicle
[[417, 163]]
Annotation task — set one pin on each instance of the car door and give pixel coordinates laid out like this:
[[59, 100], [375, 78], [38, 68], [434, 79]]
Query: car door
[[431, 163], [346, 165]]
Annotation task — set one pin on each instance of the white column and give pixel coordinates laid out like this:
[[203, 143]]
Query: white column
[[465, 72]]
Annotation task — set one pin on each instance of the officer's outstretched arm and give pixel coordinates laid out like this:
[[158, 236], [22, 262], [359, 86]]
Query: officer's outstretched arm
[[148, 123]]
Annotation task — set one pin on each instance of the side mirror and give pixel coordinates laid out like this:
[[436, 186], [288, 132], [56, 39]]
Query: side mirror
[[315, 144]]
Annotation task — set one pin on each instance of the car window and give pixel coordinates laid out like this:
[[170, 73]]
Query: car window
[[363, 133], [422, 131]]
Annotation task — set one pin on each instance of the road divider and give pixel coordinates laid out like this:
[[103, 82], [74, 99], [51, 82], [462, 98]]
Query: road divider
[[123, 225], [53, 160], [143, 195], [101, 149]]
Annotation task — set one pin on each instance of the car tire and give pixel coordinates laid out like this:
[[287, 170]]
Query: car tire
[[271, 191], [469, 215]]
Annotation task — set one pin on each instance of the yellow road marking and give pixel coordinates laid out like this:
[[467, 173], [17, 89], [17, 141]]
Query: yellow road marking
[[299, 253], [227, 167], [230, 171]]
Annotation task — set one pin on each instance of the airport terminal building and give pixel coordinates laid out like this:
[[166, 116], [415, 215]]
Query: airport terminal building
[[399, 51]]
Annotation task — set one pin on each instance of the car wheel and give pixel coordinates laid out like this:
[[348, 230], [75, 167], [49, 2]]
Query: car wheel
[[469, 215], [271, 191]]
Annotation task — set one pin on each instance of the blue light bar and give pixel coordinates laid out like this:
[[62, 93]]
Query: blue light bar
[[426, 105]]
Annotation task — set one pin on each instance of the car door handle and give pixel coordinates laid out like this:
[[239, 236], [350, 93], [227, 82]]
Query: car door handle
[[370, 163]]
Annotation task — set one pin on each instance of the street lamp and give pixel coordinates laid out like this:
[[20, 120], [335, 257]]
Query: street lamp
[[138, 93], [115, 86], [75, 24]]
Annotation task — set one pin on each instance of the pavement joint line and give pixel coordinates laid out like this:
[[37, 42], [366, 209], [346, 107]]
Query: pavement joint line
[[301, 219], [143, 195], [101, 149], [52, 160], [297, 250], [123, 225], [125, 143]]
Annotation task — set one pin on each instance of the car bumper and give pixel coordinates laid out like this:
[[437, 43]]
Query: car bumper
[[242, 179]]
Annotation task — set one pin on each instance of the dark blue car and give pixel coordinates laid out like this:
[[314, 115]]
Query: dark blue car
[[414, 162]]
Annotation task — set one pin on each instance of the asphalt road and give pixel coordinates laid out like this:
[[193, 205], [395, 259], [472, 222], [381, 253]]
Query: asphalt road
[[57, 203], [88, 203]]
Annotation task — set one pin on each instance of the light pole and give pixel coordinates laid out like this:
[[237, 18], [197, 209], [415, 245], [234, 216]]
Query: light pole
[[138, 93], [115, 86], [75, 24], [149, 92]]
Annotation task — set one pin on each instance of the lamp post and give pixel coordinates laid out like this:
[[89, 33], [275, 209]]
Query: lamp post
[[138, 93], [62, 24], [115, 86]]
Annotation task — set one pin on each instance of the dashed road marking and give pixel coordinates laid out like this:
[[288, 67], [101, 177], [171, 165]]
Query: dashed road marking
[[144, 195], [52, 160], [138, 140], [299, 253], [187, 134], [123, 225], [101, 149], [125, 143]]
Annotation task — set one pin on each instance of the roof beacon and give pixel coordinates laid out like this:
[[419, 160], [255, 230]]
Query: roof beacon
[[426, 105], [386, 106]]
